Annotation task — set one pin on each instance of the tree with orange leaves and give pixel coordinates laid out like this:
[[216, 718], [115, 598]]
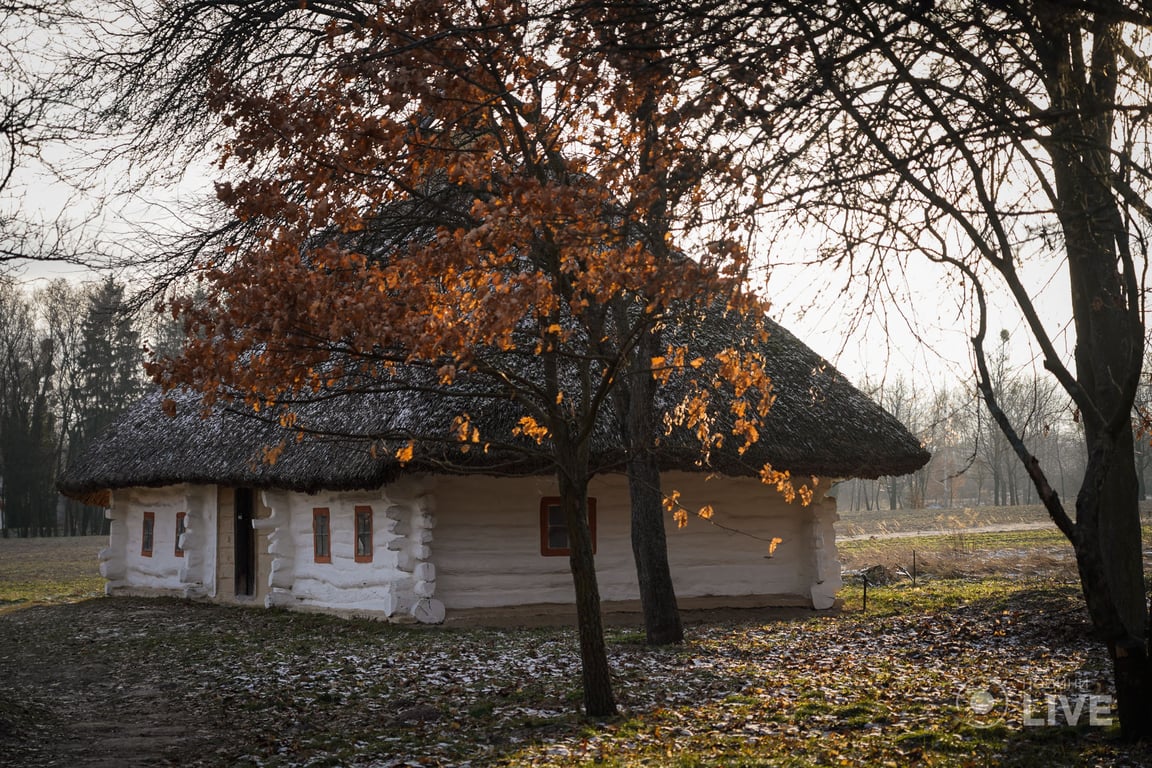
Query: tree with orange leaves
[[481, 195]]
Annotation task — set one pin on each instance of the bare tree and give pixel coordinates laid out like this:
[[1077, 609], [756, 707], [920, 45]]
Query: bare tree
[[137, 77], [34, 114], [986, 137]]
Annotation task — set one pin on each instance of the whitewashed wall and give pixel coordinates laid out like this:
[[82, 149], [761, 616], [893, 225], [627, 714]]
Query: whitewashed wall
[[399, 582], [127, 569], [446, 543], [487, 548]]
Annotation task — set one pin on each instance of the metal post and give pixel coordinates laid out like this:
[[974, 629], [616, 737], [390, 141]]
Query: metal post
[[864, 578], [913, 568]]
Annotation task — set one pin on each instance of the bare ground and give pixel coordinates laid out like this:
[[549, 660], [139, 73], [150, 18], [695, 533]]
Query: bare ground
[[105, 683], [74, 696]]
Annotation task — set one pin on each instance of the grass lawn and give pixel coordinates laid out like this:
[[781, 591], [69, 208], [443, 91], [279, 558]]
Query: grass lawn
[[939, 674], [49, 570]]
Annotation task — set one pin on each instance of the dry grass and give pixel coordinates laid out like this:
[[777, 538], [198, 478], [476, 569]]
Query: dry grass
[[879, 522], [965, 554], [49, 570], [957, 543]]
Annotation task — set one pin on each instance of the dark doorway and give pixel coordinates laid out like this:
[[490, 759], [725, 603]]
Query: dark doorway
[[245, 538]]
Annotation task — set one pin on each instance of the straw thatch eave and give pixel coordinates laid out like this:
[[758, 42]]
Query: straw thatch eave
[[820, 425]]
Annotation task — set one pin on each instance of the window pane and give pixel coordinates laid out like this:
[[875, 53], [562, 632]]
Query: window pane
[[557, 528], [320, 522], [556, 517], [554, 540], [363, 542], [363, 534], [180, 528], [557, 538], [148, 533]]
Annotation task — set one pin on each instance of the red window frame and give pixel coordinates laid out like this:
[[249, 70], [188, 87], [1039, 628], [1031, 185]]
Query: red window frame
[[548, 524], [148, 534], [363, 554], [321, 539], [180, 528]]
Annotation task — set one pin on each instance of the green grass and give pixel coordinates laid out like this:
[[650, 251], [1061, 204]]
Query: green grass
[[962, 540]]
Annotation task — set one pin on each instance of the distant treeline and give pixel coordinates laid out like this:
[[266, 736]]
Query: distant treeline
[[72, 362], [73, 355], [972, 463]]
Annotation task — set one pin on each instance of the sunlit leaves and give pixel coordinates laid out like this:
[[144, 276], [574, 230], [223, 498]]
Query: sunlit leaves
[[465, 431], [784, 484], [463, 180], [528, 427], [271, 453]]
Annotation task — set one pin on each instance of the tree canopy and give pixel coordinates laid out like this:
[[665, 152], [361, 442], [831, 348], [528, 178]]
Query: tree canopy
[[486, 196], [982, 137]]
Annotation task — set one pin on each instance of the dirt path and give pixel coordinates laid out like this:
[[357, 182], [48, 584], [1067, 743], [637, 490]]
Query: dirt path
[[70, 697]]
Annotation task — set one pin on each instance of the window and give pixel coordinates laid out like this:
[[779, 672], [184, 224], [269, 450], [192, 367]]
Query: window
[[180, 528], [321, 535], [553, 529], [149, 534], [363, 534]]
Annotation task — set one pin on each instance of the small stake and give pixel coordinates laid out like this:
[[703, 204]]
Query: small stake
[[913, 568], [864, 578]]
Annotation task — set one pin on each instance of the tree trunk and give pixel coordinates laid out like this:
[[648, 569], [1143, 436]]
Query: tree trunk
[[597, 678], [1109, 559], [1109, 355], [662, 624]]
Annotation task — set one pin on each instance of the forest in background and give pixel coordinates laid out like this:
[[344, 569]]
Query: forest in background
[[972, 464], [72, 362]]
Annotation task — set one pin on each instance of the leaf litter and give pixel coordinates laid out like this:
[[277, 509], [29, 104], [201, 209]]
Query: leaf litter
[[242, 687]]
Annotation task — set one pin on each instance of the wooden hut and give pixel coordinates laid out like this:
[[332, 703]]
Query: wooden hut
[[337, 524]]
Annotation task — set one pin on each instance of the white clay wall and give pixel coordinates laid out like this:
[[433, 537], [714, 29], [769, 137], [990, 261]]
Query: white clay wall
[[487, 546], [399, 582], [443, 543], [125, 566]]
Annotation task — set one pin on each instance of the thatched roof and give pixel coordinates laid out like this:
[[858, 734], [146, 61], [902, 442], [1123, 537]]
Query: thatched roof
[[819, 425]]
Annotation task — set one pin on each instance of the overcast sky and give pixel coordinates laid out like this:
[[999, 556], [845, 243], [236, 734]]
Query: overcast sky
[[923, 332]]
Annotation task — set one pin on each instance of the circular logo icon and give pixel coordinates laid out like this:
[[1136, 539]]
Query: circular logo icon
[[983, 705]]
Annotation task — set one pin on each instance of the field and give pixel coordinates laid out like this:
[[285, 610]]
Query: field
[[954, 671], [49, 570], [870, 522]]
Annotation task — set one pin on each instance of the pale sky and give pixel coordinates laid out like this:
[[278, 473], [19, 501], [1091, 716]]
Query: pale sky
[[925, 334]]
